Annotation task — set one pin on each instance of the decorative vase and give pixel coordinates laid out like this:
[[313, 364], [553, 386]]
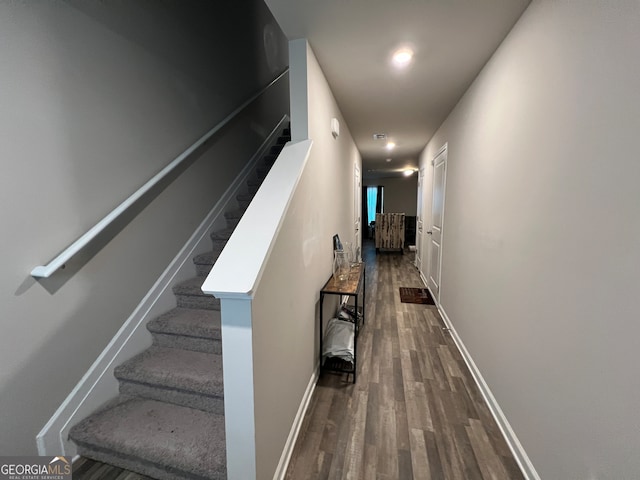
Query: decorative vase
[[357, 255], [348, 248], [341, 265]]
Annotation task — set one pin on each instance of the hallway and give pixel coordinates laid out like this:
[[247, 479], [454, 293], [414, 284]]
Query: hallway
[[415, 412]]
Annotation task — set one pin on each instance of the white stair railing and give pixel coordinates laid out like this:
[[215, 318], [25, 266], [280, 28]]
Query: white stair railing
[[45, 271]]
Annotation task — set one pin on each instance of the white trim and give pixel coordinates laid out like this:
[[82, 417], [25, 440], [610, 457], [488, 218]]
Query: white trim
[[98, 385], [239, 389], [424, 280], [285, 458], [521, 457]]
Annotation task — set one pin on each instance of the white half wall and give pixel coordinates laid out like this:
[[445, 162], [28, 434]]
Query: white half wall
[[285, 323], [541, 257]]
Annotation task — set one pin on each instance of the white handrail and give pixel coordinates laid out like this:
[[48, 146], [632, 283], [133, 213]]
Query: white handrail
[[255, 234], [45, 271]]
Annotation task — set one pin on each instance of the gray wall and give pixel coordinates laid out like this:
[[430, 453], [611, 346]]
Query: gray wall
[[285, 321], [95, 99], [400, 193], [540, 271]]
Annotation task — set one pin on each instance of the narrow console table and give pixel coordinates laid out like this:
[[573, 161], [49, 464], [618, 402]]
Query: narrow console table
[[350, 287]]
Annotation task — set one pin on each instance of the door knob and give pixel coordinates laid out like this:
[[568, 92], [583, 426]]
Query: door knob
[[429, 232]]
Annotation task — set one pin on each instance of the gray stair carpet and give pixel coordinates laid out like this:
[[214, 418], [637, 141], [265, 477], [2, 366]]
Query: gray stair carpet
[[188, 329], [168, 421], [157, 439]]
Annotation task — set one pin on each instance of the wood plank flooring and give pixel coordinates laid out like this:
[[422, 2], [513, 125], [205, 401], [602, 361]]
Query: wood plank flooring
[[86, 469], [415, 411]]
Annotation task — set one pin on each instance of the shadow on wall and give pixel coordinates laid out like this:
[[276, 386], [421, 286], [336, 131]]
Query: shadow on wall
[[73, 266]]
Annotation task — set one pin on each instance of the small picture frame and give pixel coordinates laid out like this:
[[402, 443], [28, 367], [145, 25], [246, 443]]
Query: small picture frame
[[337, 244]]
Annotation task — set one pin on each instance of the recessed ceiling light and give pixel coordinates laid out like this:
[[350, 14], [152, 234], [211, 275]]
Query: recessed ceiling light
[[402, 57], [388, 159], [390, 145], [408, 172]]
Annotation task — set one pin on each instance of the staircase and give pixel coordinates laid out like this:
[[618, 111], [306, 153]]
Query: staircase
[[168, 421]]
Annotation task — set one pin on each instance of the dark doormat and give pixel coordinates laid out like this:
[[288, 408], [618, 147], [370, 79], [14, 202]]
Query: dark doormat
[[416, 295]]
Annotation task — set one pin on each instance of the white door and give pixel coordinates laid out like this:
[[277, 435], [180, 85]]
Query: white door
[[419, 220], [357, 206], [437, 221]]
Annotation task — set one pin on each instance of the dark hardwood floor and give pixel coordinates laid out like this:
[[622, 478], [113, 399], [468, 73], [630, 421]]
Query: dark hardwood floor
[[415, 411], [86, 469]]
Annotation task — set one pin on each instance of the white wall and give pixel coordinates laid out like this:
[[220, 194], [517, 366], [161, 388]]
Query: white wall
[[285, 325], [399, 193], [96, 98], [540, 268]]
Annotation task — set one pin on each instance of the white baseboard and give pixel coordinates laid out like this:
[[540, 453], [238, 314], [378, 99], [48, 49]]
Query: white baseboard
[[283, 464], [98, 385], [509, 435], [424, 280]]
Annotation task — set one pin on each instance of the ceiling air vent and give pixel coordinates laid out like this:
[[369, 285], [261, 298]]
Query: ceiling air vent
[[379, 136]]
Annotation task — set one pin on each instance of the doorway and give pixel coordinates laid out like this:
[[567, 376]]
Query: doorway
[[436, 231], [419, 221], [357, 207]]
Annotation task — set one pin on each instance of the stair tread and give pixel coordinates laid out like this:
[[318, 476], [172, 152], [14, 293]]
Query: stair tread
[[191, 286], [236, 213], [170, 436], [245, 197], [207, 258], [175, 368], [191, 322], [222, 234]]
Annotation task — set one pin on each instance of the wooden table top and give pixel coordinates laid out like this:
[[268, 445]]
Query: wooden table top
[[350, 286]]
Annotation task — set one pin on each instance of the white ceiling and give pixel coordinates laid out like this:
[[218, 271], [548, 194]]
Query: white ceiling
[[353, 40]]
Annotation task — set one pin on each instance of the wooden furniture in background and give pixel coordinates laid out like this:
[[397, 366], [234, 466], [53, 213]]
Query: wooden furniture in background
[[390, 231]]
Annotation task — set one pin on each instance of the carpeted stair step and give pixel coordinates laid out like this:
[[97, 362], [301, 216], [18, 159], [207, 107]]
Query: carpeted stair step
[[253, 182], [275, 150], [205, 261], [244, 199], [174, 375], [269, 160], [219, 238], [233, 217], [189, 295], [188, 328], [157, 439], [234, 214], [261, 172]]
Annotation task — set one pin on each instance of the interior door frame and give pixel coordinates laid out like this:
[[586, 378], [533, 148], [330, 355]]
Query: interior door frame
[[357, 208], [420, 220], [444, 150]]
